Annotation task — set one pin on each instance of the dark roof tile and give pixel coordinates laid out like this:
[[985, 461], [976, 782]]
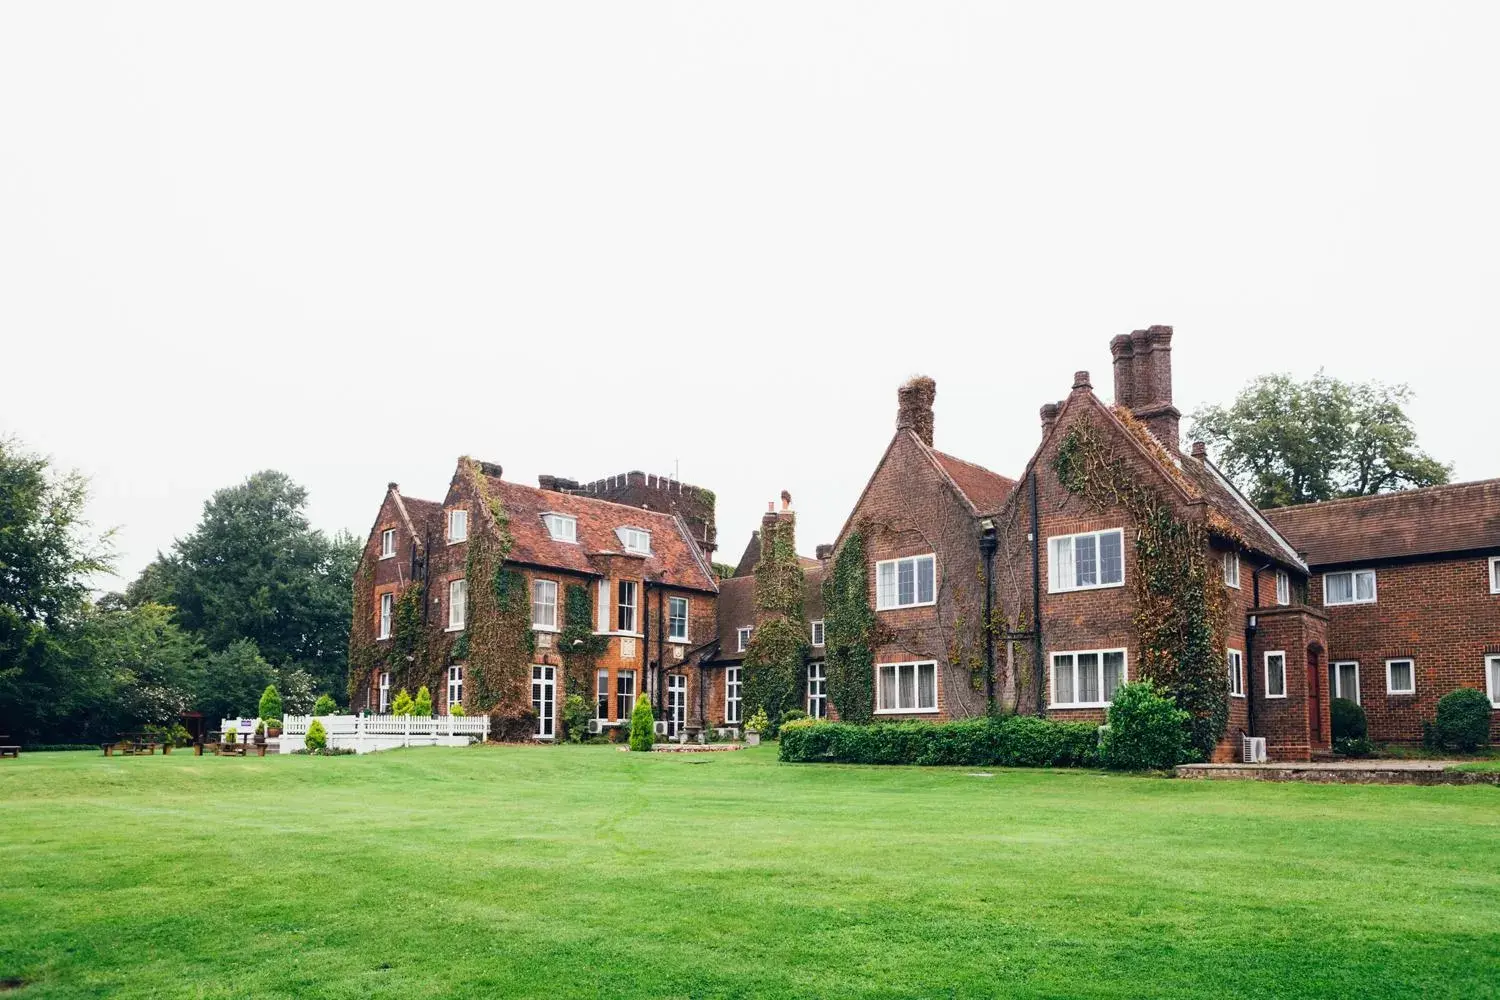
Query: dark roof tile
[[1462, 517]]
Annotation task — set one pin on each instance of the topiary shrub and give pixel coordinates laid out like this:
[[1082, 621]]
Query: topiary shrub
[[317, 736], [1147, 731], [403, 705], [1013, 741], [1463, 720], [325, 705], [1348, 720], [456, 709], [576, 713], [270, 703], [642, 725], [422, 707]]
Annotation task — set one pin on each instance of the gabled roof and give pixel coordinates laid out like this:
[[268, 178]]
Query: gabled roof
[[675, 559], [1248, 523], [736, 609], [985, 490], [751, 557], [1463, 517]]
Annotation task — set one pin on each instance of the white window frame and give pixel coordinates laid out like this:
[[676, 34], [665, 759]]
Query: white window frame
[[542, 585], [601, 694], [455, 686], [622, 588], [1390, 684], [457, 623], [458, 516], [817, 700], [1075, 653], [385, 691], [1491, 682], [742, 636], [1338, 682], [819, 632], [687, 608], [891, 600], [1266, 660], [555, 521], [1232, 570], [1234, 660], [1283, 587], [603, 608], [1058, 584], [917, 708], [388, 543], [387, 614], [1495, 574], [625, 693], [636, 540], [733, 694], [1353, 575]]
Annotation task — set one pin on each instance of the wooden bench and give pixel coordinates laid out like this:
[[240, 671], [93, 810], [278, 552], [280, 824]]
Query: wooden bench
[[9, 751]]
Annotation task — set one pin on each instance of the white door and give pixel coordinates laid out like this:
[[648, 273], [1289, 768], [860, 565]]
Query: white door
[[544, 701], [817, 691], [676, 703]]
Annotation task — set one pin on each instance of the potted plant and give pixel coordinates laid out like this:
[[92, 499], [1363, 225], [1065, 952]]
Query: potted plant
[[273, 727], [755, 725], [260, 732], [229, 734]]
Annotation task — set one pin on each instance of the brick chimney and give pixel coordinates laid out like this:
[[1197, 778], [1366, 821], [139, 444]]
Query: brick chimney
[[1049, 417], [1143, 380], [824, 552], [914, 407]]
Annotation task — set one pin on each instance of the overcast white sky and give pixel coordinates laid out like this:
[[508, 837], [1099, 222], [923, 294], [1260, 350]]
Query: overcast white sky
[[354, 241]]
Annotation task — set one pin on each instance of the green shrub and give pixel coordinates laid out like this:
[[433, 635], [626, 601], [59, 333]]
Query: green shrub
[[1146, 730], [325, 705], [1348, 720], [177, 735], [576, 715], [456, 709], [1353, 746], [1012, 741], [1463, 720], [642, 725], [270, 703], [758, 722], [422, 707], [403, 705], [317, 736], [230, 734]]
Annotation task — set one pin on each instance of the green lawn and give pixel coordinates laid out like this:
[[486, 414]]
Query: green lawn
[[585, 872]]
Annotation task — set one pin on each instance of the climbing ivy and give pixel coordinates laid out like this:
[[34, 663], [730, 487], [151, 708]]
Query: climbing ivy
[[500, 641], [775, 666], [1181, 614], [579, 646], [849, 633]]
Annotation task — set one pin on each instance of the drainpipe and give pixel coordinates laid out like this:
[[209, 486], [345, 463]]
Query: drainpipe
[[653, 677], [987, 545], [1038, 668]]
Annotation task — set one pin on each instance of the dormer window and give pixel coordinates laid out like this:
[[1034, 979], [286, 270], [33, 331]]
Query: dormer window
[[458, 526], [388, 543], [635, 540], [562, 527]]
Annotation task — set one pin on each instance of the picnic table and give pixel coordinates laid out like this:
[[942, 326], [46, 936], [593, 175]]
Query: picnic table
[[216, 745], [7, 750], [131, 744]]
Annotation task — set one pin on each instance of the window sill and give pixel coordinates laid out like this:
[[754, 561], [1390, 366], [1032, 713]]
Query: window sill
[[384, 557], [454, 628], [1401, 694], [1081, 704], [382, 638], [1233, 695], [906, 711], [1346, 604], [678, 640], [1092, 586], [903, 607], [544, 628]]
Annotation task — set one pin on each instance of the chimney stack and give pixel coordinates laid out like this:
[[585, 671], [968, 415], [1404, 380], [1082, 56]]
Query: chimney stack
[[1143, 381], [1200, 450], [1049, 417], [824, 552], [914, 407]]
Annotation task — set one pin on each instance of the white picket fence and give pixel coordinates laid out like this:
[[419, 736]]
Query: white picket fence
[[369, 733]]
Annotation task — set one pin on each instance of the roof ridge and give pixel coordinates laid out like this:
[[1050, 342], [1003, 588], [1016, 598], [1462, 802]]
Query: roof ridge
[[975, 465], [588, 499], [1370, 497]]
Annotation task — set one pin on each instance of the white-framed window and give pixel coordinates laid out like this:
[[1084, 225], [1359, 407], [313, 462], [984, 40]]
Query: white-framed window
[[1086, 561], [1275, 674], [388, 543], [1343, 679], [677, 619], [455, 686], [385, 691], [624, 693], [458, 526], [458, 604], [1492, 679], [1495, 574], [1283, 587], [906, 687], [1352, 587], [387, 611], [602, 607], [601, 695], [544, 605], [1236, 673], [743, 637], [817, 632], [561, 527], [731, 694], [817, 691], [905, 583], [636, 540], [1401, 676], [625, 593], [1232, 570], [1087, 678]]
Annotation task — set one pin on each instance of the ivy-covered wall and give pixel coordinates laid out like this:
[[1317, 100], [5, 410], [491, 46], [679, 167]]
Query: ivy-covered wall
[[775, 665]]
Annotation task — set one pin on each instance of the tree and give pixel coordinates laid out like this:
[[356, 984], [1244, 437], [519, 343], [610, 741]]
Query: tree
[[642, 725], [270, 704], [422, 706], [403, 705], [125, 668], [255, 569], [231, 681], [325, 705], [1287, 442]]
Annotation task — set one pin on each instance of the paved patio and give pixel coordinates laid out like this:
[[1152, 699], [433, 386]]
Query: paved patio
[[1352, 772]]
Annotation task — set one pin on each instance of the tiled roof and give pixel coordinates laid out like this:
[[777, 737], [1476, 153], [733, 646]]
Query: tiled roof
[[1244, 520], [1458, 518], [985, 490], [672, 552], [736, 609], [426, 516]]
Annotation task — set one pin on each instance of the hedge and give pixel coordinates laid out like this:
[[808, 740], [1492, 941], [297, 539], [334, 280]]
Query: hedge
[[1013, 741]]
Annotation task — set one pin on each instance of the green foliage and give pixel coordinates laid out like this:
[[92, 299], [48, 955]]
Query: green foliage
[[403, 705], [758, 722], [270, 703], [325, 705], [1463, 720], [422, 706], [577, 643], [176, 734], [642, 725], [1146, 730], [457, 710], [232, 680], [1353, 746], [260, 730], [1348, 719], [849, 633], [1008, 741], [775, 664], [1290, 442], [317, 736], [128, 667], [407, 634], [723, 571], [500, 638], [231, 734], [576, 713]]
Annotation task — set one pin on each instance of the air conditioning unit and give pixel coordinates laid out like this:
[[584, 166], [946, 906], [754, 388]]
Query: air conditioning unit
[[661, 729], [1254, 749], [596, 726]]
